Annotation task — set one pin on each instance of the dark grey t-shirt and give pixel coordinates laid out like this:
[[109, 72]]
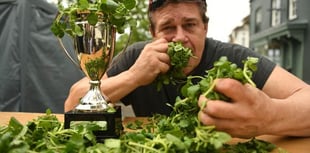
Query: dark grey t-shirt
[[147, 100]]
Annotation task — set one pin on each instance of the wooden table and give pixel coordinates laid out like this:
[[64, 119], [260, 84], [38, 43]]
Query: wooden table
[[290, 144]]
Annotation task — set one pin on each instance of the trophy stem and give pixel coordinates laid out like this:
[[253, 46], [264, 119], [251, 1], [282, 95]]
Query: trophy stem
[[93, 101]]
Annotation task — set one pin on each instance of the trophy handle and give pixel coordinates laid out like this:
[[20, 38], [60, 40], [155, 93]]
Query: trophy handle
[[67, 53]]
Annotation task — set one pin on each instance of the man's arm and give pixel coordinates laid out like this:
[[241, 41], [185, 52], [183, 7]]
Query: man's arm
[[281, 108], [291, 97], [152, 61]]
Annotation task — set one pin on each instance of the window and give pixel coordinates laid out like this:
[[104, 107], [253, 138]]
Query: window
[[258, 20], [292, 9], [275, 12], [275, 55]]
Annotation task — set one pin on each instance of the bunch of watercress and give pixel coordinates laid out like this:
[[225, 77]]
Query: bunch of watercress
[[47, 134], [179, 58], [182, 131], [222, 68], [114, 12]]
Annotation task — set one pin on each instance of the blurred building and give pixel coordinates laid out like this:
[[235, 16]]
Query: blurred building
[[240, 35], [279, 29]]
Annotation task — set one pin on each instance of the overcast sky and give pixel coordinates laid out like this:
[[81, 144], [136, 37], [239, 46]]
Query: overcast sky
[[225, 15]]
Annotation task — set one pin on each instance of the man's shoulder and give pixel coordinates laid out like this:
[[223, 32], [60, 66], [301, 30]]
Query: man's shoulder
[[138, 45], [217, 44]]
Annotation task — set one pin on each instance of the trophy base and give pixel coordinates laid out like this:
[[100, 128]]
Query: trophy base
[[113, 121], [92, 108]]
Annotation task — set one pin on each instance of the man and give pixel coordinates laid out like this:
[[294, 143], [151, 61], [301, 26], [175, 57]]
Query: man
[[279, 105]]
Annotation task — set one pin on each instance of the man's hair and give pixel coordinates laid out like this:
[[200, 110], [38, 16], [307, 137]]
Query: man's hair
[[157, 4]]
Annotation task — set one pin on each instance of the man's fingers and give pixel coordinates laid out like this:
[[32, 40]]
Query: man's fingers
[[205, 118], [219, 109], [231, 88]]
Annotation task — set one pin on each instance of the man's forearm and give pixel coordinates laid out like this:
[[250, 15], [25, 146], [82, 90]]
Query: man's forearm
[[116, 87], [291, 117]]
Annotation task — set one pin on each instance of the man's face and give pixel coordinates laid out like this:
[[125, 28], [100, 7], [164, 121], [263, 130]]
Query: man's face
[[182, 22]]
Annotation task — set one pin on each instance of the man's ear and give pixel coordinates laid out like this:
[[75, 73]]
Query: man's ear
[[206, 27], [207, 24], [152, 31]]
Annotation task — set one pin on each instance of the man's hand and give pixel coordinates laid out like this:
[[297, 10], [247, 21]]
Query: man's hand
[[77, 91], [152, 61], [247, 115]]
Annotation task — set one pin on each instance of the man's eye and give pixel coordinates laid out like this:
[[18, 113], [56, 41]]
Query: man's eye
[[190, 25], [167, 28]]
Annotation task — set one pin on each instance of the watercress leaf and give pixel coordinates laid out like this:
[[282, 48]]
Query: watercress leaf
[[118, 21], [92, 18], [83, 4], [5, 140], [15, 126], [176, 141], [238, 74], [112, 143], [75, 144], [130, 4], [192, 91], [77, 30], [56, 30], [179, 57], [109, 5], [219, 139], [184, 88]]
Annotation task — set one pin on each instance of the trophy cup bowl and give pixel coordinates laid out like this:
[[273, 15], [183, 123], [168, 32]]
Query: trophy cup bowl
[[94, 51]]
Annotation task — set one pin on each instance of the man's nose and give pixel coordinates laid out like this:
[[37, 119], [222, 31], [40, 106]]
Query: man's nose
[[180, 35]]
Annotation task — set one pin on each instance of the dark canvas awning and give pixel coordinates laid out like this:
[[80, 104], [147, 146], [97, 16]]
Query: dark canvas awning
[[34, 73]]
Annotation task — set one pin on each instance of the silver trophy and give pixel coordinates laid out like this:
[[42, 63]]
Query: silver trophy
[[93, 25], [94, 51]]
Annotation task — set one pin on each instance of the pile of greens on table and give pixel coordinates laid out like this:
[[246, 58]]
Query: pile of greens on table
[[180, 132]]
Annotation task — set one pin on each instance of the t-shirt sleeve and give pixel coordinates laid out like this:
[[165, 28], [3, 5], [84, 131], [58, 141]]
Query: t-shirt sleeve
[[237, 54], [264, 69], [123, 61], [264, 65]]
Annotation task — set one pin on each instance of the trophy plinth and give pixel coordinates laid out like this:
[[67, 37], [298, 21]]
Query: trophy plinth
[[112, 121]]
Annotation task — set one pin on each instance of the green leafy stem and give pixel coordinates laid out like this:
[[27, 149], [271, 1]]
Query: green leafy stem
[[116, 13]]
